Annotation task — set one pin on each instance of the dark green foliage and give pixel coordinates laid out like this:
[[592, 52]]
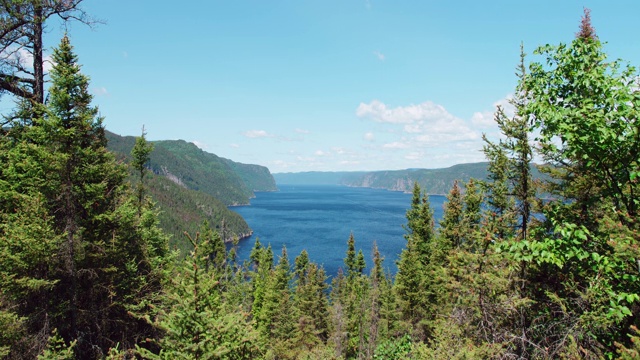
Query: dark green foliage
[[181, 209], [355, 312], [256, 178], [139, 158], [81, 256], [415, 283], [189, 166]]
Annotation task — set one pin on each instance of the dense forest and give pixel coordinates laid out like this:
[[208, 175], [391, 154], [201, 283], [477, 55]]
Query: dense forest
[[185, 183], [86, 273]]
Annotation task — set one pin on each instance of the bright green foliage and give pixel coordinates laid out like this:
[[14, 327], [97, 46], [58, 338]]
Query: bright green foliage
[[57, 349], [590, 104], [393, 349], [351, 308], [195, 325], [311, 304], [586, 111], [415, 283]]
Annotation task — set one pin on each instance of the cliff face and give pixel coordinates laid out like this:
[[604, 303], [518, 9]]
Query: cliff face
[[255, 177], [433, 181]]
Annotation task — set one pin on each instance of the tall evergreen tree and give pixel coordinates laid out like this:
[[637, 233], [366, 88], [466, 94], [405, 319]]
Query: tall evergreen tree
[[414, 280], [71, 187]]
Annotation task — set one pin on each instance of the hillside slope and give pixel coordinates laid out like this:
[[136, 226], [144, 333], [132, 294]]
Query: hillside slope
[[433, 181], [185, 183]]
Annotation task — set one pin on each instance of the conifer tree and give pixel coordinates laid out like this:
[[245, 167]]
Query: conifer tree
[[450, 229], [414, 280], [195, 325], [101, 272], [141, 153]]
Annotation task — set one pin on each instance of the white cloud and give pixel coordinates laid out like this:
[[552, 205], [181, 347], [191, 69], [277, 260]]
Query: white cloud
[[320, 153], [235, 146], [369, 136], [429, 123], [302, 131], [506, 105], [484, 118], [100, 91], [255, 134], [200, 144], [379, 112], [379, 55], [416, 155], [487, 118], [395, 145], [23, 58]]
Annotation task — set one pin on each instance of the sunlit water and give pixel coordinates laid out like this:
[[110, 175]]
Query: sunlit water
[[320, 219]]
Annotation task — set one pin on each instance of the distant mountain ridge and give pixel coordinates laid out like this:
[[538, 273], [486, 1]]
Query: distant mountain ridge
[[190, 185], [433, 181]]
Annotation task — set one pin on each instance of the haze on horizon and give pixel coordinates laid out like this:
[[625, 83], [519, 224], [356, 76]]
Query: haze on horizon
[[325, 86]]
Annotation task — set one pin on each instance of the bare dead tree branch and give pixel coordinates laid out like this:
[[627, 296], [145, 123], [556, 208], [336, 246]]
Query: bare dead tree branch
[[22, 25]]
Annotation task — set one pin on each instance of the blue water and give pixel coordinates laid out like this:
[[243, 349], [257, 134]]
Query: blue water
[[319, 218]]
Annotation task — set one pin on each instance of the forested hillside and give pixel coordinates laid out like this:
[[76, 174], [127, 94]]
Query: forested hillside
[[433, 181], [180, 208], [189, 166], [86, 273]]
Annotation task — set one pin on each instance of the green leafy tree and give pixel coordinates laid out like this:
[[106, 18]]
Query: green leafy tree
[[580, 260]]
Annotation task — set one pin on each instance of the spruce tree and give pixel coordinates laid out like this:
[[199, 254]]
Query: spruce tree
[[414, 280], [63, 195], [195, 324]]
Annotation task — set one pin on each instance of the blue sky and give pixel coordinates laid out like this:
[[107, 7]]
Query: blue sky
[[325, 85]]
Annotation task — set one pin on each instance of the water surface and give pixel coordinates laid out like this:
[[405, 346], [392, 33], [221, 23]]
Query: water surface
[[319, 218]]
